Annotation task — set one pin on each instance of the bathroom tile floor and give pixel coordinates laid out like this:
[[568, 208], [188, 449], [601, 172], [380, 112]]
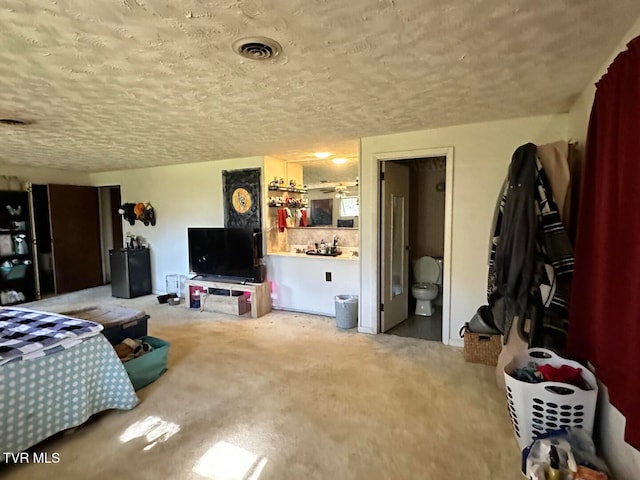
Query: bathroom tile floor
[[416, 326]]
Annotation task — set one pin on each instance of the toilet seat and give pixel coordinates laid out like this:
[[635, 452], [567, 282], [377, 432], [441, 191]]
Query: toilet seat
[[427, 277], [429, 287]]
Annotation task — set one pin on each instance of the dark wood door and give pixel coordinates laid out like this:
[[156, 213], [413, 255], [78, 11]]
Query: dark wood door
[[75, 229]]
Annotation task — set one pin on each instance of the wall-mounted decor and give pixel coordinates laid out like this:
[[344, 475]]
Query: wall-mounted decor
[[147, 214], [138, 211], [322, 212], [242, 207]]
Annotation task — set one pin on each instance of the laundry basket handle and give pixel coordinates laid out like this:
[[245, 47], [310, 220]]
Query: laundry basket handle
[[556, 388], [543, 354]]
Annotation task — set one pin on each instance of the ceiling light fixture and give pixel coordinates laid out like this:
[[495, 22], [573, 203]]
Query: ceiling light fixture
[[257, 48], [339, 161], [341, 191], [322, 154]]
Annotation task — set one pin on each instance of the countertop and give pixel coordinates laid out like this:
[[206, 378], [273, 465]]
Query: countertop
[[344, 256]]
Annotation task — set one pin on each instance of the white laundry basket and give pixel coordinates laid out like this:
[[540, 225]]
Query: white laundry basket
[[536, 408]]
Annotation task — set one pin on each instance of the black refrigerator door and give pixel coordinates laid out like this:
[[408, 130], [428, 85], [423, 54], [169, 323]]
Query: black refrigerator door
[[119, 274], [139, 272], [130, 272]]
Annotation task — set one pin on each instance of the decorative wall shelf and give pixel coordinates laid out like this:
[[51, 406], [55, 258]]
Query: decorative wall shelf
[[284, 206], [287, 189]]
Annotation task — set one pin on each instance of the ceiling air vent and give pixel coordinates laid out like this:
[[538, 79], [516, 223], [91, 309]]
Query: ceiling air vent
[[12, 121], [257, 48]]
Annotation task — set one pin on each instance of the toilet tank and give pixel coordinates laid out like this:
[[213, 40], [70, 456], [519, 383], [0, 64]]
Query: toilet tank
[[426, 270]]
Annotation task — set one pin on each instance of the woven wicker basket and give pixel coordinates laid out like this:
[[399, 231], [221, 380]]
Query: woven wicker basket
[[482, 348]]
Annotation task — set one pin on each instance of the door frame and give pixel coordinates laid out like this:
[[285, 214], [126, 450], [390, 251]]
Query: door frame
[[448, 211], [111, 232]]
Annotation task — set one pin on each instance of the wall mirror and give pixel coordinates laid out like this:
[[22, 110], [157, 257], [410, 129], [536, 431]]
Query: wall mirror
[[332, 190]]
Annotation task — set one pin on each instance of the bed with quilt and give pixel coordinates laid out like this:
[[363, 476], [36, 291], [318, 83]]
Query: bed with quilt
[[55, 372]]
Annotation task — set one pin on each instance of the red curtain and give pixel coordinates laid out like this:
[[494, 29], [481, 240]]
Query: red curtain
[[605, 301]]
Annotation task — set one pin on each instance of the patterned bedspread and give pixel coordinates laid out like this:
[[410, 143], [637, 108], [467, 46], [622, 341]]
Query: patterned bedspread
[[26, 334], [43, 396]]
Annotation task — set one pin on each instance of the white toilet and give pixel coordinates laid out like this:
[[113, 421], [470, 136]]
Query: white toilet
[[427, 275]]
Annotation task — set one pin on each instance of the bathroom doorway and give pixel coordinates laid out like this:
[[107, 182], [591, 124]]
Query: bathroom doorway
[[417, 254]]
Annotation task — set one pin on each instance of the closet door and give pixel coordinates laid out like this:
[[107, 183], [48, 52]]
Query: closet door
[[75, 231]]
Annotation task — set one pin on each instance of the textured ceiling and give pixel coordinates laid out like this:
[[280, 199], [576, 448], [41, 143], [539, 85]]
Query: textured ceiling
[[112, 84]]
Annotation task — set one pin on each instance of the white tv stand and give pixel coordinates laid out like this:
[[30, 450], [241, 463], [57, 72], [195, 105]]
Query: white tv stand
[[260, 293]]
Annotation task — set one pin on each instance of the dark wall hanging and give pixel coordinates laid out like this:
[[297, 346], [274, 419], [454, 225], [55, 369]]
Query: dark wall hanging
[[242, 206]]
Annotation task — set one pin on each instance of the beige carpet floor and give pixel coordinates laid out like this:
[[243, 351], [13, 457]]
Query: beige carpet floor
[[288, 396]]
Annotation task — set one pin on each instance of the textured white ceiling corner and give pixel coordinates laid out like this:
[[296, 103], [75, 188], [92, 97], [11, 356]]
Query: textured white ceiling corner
[[131, 83]]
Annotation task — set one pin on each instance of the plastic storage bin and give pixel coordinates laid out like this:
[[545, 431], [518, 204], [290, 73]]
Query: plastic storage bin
[[118, 322], [536, 408], [147, 368], [346, 311], [175, 283]]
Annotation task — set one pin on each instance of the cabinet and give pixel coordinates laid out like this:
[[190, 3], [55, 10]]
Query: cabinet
[[17, 277], [299, 281], [130, 272]]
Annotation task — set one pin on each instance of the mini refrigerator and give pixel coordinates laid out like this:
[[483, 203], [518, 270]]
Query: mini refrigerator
[[130, 272]]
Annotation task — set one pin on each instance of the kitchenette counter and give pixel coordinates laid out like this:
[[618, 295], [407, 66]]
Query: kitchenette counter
[[343, 256]]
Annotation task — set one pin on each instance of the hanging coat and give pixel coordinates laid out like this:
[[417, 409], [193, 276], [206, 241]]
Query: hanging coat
[[531, 262]]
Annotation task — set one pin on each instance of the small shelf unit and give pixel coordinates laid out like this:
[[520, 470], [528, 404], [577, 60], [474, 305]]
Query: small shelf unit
[[260, 294], [287, 189], [17, 269]]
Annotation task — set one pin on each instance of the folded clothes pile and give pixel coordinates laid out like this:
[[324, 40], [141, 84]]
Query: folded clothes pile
[[534, 373], [129, 349]]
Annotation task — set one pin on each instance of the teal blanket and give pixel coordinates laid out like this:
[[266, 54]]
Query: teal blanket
[[43, 396]]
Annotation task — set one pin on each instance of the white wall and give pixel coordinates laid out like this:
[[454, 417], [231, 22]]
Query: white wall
[[482, 153], [426, 213], [581, 109], [274, 240], [45, 175], [622, 458], [187, 195]]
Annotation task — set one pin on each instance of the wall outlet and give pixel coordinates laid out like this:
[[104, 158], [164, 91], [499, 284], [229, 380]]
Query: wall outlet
[[327, 276]]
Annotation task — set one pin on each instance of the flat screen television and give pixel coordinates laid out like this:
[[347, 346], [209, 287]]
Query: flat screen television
[[225, 253]]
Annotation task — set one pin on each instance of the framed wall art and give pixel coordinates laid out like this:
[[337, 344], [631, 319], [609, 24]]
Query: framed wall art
[[242, 193]]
